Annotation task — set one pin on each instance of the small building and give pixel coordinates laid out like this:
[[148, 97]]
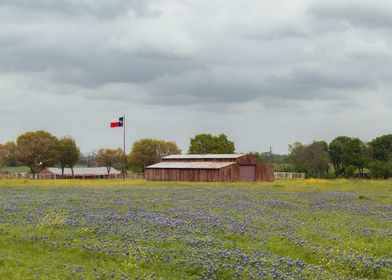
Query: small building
[[79, 173], [210, 168]]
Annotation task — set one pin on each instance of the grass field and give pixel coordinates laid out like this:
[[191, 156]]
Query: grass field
[[308, 229]]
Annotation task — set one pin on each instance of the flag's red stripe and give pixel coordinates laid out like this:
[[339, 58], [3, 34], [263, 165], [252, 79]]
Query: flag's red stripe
[[114, 124]]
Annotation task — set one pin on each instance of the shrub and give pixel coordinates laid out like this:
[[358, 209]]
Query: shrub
[[349, 171], [380, 169]]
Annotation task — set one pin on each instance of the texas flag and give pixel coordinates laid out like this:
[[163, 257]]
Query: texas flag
[[117, 123]]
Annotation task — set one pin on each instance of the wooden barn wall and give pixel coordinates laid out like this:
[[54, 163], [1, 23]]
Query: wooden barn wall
[[227, 174], [247, 160], [264, 172], [47, 174], [230, 173], [201, 175]]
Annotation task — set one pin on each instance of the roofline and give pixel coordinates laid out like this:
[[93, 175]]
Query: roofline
[[222, 165], [207, 156]]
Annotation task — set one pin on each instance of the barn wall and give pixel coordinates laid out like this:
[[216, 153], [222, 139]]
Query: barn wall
[[46, 174], [264, 172], [230, 173], [226, 174], [198, 175], [247, 160]]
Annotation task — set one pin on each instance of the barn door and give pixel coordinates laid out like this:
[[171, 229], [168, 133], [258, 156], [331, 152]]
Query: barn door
[[247, 173]]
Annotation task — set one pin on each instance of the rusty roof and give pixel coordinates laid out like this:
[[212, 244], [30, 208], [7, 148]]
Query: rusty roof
[[206, 156], [191, 165]]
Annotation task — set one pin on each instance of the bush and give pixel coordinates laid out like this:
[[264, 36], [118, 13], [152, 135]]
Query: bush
[[284, 168], [380, 169], [329, 176], [349, 171]]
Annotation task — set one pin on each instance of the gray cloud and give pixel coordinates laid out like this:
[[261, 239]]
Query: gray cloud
[[100, 9], [357, 12], [173, 66]]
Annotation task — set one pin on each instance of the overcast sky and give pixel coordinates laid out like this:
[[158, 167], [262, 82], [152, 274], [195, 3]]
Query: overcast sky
[[266, 73]]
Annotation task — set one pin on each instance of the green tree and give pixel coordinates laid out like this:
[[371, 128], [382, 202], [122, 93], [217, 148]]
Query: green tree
[[8, 155], [381, 148], [2, 156], [312, 159], [68, 153], [337, 152], [267, 157], [37, 150], [360, 155], [149, 151], [209, 144], [110, 158], [346, 151], [380, 169]]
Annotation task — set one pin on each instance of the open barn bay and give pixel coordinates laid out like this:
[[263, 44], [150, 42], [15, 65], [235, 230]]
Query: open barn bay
[[283, 230]]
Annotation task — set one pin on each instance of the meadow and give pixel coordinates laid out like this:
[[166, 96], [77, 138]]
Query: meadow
[[306, 229]]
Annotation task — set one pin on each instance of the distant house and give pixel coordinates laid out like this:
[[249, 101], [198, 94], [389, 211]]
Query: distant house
[[210, 168], [79, 173]]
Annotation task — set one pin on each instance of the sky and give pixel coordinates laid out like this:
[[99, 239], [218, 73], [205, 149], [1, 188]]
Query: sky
[[265, 73]]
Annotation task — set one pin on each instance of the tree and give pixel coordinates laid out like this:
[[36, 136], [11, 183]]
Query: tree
[[88, 159], [110, 158], [337, 152], [268, 157], [360, 155], [68, 153], [209, 144], [346, 151], [380, 169], [312, 159], [381, 148], [2, 156], [37, 150], [149, 151], [8, 154]]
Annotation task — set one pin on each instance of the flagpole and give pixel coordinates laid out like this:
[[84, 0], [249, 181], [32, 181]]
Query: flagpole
[[125, 157]]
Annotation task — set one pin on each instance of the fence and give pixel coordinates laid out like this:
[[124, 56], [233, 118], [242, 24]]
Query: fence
[[289, 175], [12, 175]]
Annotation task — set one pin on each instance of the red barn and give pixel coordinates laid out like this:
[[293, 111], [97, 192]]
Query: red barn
[[210, 168]]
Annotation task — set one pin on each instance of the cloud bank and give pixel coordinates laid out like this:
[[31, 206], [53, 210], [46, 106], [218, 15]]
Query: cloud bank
[[267, 74]]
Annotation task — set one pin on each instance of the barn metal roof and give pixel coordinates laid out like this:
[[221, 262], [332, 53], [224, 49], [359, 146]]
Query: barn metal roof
[[84, 171], [191, 165], [206, 156]]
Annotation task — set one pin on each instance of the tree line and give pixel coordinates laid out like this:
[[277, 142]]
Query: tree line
[[40, 149], [345, 157]]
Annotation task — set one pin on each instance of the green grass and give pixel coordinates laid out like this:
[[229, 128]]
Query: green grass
[[307, 185]]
